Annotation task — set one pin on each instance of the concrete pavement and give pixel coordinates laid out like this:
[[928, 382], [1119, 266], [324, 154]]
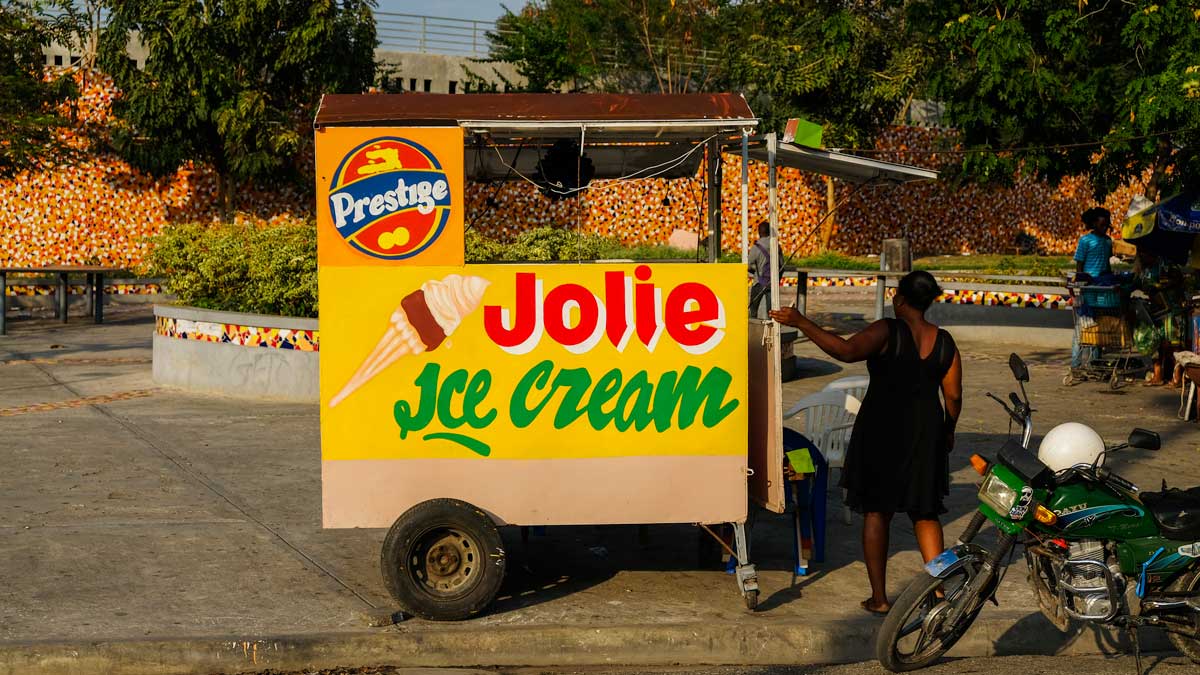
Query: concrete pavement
[[1027, 665], [148, 530]]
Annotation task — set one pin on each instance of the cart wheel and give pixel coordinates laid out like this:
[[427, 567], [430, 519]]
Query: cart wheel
[[1115, 381], [1069, 380], [751, 598], [443, 560]]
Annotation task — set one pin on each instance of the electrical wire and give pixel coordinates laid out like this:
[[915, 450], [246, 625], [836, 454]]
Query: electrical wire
[[492, 197], [607, 182]]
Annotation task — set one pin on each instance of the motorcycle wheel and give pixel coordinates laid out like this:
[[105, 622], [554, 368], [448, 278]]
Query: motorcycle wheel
[[920, 612], [1188, 646]]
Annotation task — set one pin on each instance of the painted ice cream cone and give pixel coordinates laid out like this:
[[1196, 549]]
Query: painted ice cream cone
[[424, 319]]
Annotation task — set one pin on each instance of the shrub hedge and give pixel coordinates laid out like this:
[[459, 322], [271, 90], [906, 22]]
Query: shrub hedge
[[273, 269], [240, 267]]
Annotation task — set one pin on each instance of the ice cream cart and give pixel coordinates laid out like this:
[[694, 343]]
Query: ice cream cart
[[457, 398]]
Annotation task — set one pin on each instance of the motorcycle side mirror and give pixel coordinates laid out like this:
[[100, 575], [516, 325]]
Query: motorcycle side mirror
[[1018, 368], [1144, 439]]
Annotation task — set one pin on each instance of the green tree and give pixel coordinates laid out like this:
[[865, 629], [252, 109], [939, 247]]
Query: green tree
[[1109, 89], [660, 46], [231, 82], [29, 118], [538, 43], [848, 65]]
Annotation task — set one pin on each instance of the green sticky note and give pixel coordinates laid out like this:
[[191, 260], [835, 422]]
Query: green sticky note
[[805, 133], [801, 461]]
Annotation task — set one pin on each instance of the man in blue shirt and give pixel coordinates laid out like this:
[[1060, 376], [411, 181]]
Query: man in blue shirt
[[1091, 258], [1095, 247]]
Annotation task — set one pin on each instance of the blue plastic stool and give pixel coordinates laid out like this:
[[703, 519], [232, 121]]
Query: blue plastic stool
[[808, 503]]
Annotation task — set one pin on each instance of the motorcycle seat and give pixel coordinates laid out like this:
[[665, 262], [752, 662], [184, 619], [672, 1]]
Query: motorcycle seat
[[1176, 511]]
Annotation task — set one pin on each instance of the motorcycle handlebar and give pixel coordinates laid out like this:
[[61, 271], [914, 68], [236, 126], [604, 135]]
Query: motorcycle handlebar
[[1110, 477], [1011, 413]]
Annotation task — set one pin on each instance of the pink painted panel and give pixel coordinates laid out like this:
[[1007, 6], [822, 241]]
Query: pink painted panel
[[591, 491]]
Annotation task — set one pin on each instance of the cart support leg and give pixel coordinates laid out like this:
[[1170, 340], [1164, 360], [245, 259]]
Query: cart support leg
[[747, 577]]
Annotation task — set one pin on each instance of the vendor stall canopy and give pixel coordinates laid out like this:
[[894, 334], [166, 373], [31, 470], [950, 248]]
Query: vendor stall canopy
[[845, 167], [623, 135], [1169, 228]]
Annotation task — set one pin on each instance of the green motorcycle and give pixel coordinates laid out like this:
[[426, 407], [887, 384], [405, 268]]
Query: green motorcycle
[[1098, 549]]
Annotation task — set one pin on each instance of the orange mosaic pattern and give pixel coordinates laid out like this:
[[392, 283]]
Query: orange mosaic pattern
[[79, 289], [76, 402], [102, 211], [246, 336], [838, 282], [1006, 299]]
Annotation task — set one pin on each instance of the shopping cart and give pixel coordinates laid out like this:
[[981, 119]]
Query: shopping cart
[[1104, 317]]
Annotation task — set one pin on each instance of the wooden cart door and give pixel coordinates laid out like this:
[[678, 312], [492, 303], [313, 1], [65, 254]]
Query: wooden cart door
[[766, 416]]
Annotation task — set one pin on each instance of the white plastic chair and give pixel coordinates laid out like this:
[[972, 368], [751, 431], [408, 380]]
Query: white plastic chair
[[828, 422], [855, 385]]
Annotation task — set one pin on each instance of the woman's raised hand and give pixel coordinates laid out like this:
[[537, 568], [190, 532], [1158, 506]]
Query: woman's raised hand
[[788, 316]]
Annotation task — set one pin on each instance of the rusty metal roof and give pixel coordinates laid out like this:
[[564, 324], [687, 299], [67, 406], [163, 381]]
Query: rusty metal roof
[[509, 112]]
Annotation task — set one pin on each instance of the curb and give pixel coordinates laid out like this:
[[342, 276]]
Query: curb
[[749, 642]]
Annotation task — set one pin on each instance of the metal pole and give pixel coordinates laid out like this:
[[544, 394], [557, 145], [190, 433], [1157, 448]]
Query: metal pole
[[802, 291], [714, 201], [99, 302], [3, 302], [773, 216], [62, 296], [89, 280], [745, 196], [880, 295]]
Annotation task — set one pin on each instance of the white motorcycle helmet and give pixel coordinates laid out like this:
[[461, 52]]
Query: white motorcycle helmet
[[1070, 444]]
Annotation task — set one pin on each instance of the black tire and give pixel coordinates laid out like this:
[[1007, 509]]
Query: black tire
[[1189, 647], [751, 598], [443, 560], [920, 595]]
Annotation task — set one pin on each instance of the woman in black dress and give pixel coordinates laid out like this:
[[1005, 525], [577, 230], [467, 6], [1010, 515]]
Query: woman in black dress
[[898, 458]]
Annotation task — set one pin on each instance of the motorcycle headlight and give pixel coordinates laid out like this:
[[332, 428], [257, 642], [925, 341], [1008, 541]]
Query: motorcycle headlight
[[997, 494]]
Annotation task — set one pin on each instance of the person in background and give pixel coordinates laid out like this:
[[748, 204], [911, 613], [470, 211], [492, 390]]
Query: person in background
[[1095, 247], [898, 457], [1162, 282], [1092, 262], [759, 261]]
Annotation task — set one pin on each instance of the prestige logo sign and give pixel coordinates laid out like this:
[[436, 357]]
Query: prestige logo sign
[[390, 198]]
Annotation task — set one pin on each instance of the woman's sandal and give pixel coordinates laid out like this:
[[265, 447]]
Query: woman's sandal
[[866, 605]]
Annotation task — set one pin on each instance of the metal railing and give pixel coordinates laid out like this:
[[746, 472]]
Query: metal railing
[[433, 34], [463, 37]]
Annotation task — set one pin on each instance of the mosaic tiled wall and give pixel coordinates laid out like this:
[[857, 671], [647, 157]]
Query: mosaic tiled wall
[[1014, 298], [80, 289], [102, 211], [246, 336], [1006, 299]]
